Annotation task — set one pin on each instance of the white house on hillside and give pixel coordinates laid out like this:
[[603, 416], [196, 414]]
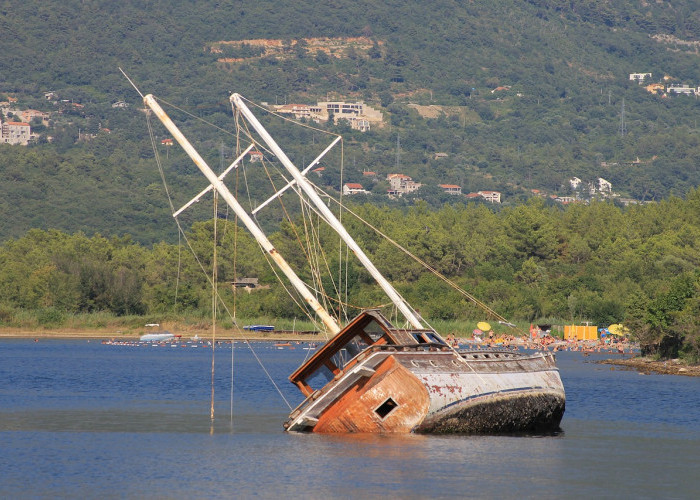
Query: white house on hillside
[[354, 188], [451, 188], [402, 184], [604, 186], [491, 196], [639, 77], [15, 133]]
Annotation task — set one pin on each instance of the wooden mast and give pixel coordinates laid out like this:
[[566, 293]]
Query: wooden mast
[[309, 190], [257, 233]]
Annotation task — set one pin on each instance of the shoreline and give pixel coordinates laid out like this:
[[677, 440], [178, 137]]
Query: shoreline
[[69, 334], [644, 366], [648, 366]]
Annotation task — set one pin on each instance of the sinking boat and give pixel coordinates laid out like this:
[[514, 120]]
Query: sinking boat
[[372, 376]]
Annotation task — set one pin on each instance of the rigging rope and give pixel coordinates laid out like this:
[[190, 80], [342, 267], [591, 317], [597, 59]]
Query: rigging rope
[[214, 291], [181, 232], [306, 251], [434, 271]]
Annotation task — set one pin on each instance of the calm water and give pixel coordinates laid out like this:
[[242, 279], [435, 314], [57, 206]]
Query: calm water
[[82, 419]]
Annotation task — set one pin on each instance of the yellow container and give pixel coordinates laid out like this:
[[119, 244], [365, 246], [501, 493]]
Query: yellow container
[[580, 332]]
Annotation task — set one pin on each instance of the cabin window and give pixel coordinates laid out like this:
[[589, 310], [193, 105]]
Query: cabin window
[[374, 331], [354, 347], [419, 338], [434, 338], [385, 408], [320, 378]]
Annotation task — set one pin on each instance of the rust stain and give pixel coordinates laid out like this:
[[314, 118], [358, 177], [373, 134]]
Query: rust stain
[[355, 410]]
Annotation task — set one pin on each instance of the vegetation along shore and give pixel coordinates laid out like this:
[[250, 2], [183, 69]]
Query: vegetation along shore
[[534, 263], [552, 173]]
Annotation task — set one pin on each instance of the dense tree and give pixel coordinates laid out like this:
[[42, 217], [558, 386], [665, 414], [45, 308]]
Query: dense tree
[[638, 269]]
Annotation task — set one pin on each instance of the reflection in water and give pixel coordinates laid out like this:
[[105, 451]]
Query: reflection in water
[[133, 421]]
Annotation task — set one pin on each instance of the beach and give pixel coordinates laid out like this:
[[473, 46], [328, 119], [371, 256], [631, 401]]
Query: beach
[[641, 364]]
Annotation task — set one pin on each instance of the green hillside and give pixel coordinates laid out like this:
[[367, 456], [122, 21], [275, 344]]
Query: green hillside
[[513, 96], [528, 95]]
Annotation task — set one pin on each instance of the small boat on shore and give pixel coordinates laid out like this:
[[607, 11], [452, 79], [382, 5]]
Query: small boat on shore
[[260, 328], [157, 337]]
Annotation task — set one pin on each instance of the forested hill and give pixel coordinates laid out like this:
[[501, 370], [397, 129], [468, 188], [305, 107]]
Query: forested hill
[[523, 94]]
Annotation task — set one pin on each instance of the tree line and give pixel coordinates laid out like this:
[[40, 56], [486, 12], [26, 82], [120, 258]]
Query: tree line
[[531, 263]]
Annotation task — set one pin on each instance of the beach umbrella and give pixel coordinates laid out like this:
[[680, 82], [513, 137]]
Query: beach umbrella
[[618, 329], [483, 325]]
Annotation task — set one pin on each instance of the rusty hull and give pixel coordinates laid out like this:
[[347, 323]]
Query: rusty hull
[[355, 411], [377, 378], [438, 391]]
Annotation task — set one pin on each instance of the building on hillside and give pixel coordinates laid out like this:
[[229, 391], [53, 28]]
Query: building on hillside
[[491, 196], [298, 110], [681, 90], [247, 284], [15, 133], [574, 182], [361, 124], [639, 77], [604, 186], [440, 156], [354, 188], [255, 156], [402, 184], [359, 115], [166, 142], [371, 176], [120, 104], [451, 189]]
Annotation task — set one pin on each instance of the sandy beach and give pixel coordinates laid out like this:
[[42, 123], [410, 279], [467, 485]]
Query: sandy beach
[[109, 334]]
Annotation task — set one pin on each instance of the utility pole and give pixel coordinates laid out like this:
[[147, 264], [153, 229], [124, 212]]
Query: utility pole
[[623, 127], [398, 152]]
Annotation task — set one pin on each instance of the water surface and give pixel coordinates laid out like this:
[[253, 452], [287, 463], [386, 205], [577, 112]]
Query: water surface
[[82, 419]]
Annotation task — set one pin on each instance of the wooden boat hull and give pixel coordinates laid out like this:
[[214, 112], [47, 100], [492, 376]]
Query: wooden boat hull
[[405, 389]]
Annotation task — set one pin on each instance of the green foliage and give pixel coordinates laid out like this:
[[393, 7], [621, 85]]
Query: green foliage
[[534, 100], [597, 263], [51, 317], [525, 94]]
